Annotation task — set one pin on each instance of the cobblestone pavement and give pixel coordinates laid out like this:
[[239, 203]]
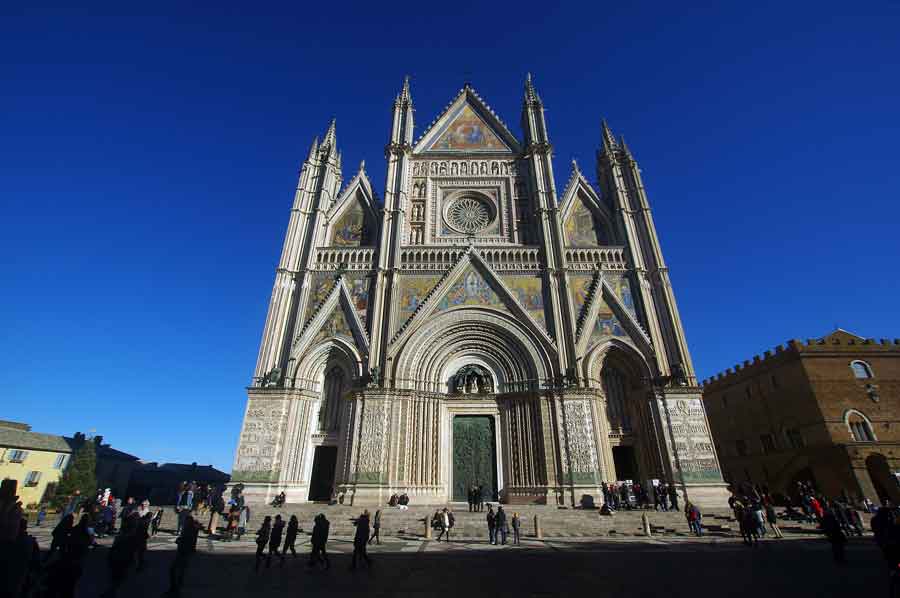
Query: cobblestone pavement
[[671, 567]]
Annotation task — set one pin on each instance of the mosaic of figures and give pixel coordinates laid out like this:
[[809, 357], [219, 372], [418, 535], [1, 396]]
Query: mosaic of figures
[[529, 290], [582, 229], [319, 286], [607, 323], [622, 287], [335, 326], [350, 229], [470, 289], [467, 132], [413, 290], [359, 292], [580, 286], [423, 168]]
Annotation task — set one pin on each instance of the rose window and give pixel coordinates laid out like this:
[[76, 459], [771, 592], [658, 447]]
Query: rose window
[[469, 214]]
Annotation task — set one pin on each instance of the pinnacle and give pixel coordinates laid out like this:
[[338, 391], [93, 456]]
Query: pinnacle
[[531, 94], [362, 166], [609, 141], [404, 92], [330, 138]]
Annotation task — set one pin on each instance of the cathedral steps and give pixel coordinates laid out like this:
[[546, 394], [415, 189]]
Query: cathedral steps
[[554, 522]]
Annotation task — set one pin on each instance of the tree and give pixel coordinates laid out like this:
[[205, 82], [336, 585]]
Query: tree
[[81, 474]]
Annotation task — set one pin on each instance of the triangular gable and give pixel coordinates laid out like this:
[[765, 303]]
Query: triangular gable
[[467, 125], [839, 335], [471, 282], [352, 218], [335, 318], [607, 317], [580, 195]]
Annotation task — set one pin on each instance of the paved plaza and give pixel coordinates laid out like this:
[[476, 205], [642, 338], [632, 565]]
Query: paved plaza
[[672, 567]]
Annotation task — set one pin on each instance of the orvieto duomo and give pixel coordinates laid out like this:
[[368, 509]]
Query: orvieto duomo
[[476, 326]]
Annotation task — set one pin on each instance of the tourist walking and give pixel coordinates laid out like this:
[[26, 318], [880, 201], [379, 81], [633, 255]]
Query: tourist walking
[[376, 528], [122, 554], [361, 539], [290, 538], [186, 547], [60, 534], [479, 498], [318, 541], [243, 521], [502, 527], [262, 539], [492, 525], [142, 535], [515, 528], [275, 539], [773, 520]]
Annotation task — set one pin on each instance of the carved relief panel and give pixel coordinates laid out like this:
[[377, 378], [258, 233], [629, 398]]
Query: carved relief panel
[[257, 457]]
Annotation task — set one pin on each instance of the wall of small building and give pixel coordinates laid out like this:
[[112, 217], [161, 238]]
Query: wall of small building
[[35, 460]]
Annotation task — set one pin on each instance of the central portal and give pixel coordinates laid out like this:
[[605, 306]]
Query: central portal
[[474, 456]]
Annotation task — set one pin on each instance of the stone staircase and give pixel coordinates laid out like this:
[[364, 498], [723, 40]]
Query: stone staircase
[[554, 522]]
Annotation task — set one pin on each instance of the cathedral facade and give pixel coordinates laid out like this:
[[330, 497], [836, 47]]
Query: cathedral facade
[[476, 327]]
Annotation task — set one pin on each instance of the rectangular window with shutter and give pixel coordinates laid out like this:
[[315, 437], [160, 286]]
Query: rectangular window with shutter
[[32, 478]]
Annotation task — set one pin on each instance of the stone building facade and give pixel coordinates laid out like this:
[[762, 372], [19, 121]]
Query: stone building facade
[[474, 327], [824, 410]]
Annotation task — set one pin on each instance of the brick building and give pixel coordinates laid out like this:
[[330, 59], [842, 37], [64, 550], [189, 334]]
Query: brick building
[[826, 410]]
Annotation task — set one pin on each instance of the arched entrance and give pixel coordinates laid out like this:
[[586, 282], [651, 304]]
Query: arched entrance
[[883, 479], [628, 418]]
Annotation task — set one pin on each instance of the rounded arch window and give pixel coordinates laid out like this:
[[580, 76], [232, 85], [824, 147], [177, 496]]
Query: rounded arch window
[[860, 428], [861, 369], [469, 213]]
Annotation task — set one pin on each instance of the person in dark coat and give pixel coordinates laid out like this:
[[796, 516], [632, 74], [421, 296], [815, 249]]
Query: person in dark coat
[[492, 525], [361, 539], [502, 526], [262, 539], [318, 541], [275, 539], [142, 534], [61, 534], [290, 537], [187, 546], [121, 555]]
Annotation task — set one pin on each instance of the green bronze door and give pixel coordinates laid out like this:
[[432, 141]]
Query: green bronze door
[[474, 456]]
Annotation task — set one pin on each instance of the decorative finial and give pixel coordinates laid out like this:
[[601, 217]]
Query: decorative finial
[[531, 95], [362, 166], [575, 165]]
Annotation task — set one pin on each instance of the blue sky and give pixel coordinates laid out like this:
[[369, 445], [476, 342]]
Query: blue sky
[[147, 165]]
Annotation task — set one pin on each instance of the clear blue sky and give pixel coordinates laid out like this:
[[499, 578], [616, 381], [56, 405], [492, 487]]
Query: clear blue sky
[[148, 161]]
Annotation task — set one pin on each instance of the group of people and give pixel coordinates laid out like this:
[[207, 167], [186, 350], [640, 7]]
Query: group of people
[[634, 495], [476, 498], [399, 501], [499, 526]]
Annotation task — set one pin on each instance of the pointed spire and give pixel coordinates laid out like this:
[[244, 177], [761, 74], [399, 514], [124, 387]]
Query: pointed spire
[[362, 166], [624, 146], [531, 95], [404, 93], [609, 141], [575, 168], [313, 149], [330, 139]]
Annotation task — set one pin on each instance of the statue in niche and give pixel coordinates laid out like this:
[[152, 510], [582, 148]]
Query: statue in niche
[[472, 379], [679, 376]]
